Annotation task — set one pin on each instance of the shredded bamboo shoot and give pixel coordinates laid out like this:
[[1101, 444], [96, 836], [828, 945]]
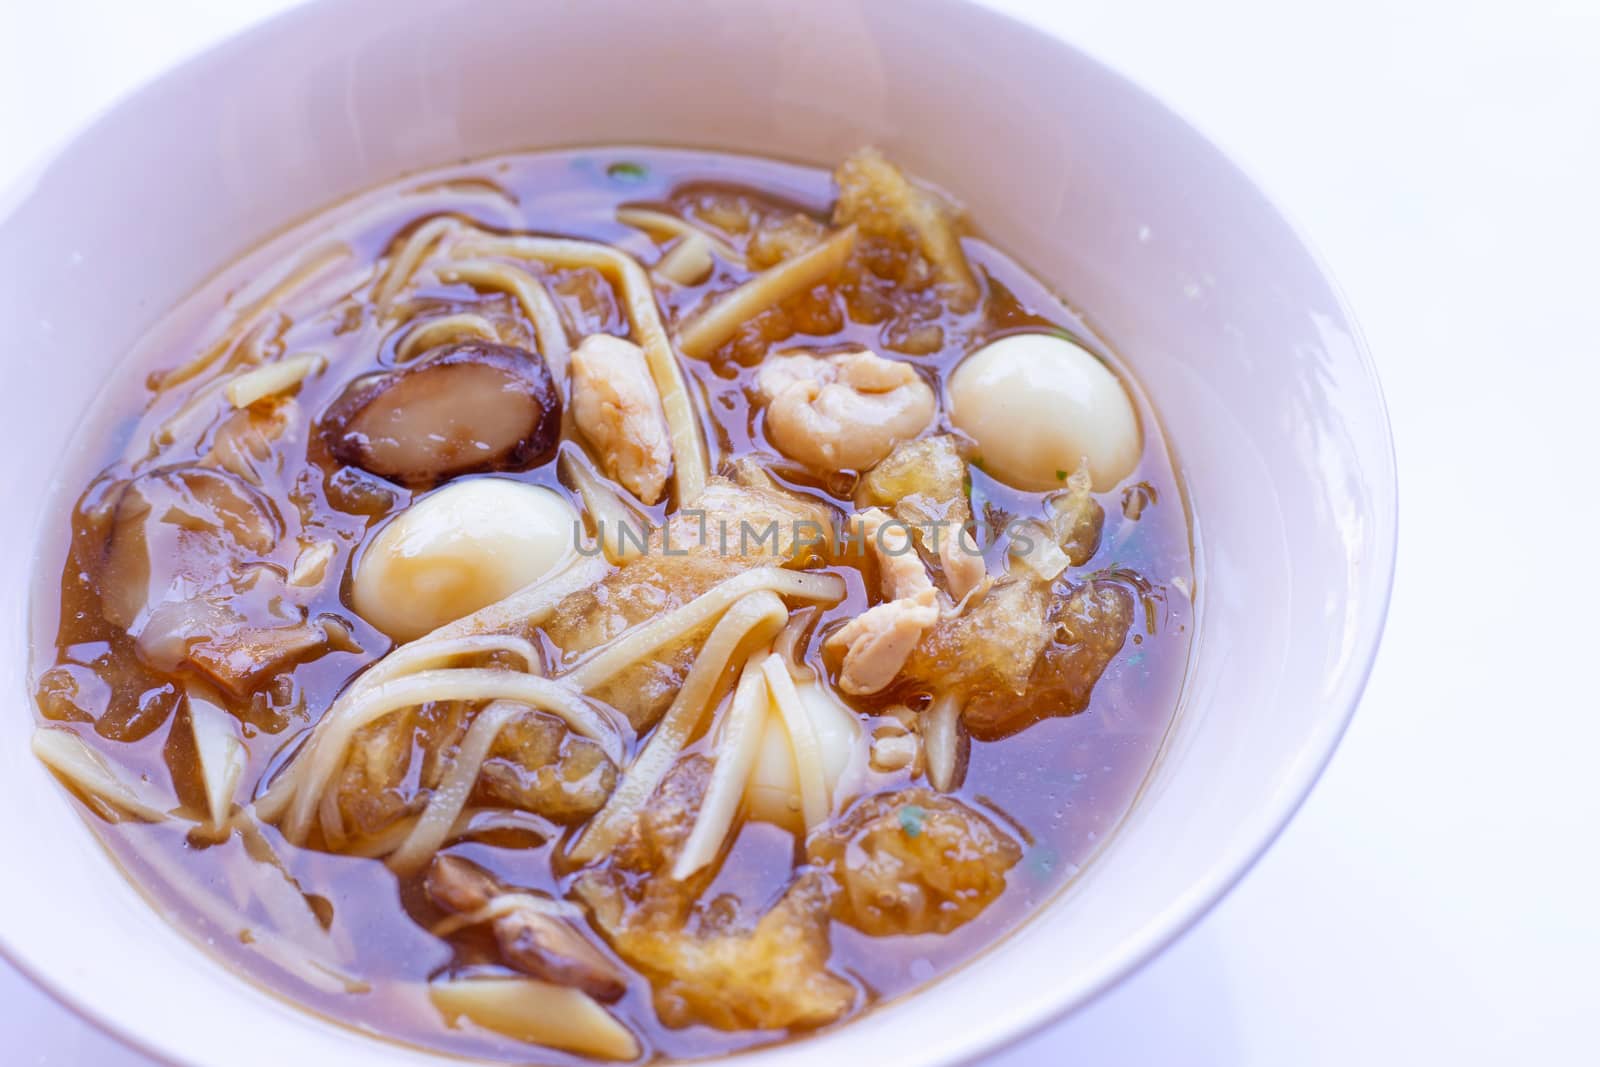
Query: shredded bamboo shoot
[[270, 379], [91, 773], [941, 743], [539, 1013], [738, 744], [753, 620], [714, 326]]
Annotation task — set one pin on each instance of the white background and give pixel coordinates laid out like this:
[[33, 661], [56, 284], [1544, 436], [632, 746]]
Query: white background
[[1436, 899]]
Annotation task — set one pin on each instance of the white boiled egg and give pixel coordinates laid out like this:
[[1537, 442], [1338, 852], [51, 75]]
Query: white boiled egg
[[1038, 406], [458, 549], [773, 791]]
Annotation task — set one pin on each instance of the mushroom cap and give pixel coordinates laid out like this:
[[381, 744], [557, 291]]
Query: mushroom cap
[[467, 408]]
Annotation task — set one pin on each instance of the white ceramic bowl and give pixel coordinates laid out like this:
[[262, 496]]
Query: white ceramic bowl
[[1236, 332]]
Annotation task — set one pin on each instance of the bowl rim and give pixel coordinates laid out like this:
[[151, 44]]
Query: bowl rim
[[1310, 758]]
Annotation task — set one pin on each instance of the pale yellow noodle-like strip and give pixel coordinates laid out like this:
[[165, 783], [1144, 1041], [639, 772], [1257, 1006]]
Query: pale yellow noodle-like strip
[[608, 660], [435, 650], [941, 742], [738, 746], [713, 327], [402, 266], [754, 619], [472, 821], [659, 222], [450, 798], [529, 293], [803, 742], [529, 606], [427, 687], [64, 752], [270, 379], [442, 330], [537, 1013]]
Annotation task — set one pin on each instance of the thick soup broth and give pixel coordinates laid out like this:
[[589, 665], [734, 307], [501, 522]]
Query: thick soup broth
[[758, 825]]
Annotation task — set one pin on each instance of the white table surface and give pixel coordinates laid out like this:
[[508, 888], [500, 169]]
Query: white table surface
[[1436, 899]]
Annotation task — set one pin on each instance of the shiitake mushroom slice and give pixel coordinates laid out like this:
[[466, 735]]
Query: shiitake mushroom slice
[[467, 408]]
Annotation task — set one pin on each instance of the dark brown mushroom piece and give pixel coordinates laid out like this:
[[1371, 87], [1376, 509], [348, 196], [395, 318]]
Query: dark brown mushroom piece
[[531, 940], [467, 408]]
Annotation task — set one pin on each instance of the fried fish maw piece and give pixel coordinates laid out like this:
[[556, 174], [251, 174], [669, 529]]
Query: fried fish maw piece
[[707, 964], [877, 197], [1085, 630]]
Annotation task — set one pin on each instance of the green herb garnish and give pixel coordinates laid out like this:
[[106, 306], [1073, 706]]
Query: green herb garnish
[[1061, 476], [911, 817], [630, 173], [1042, 860]]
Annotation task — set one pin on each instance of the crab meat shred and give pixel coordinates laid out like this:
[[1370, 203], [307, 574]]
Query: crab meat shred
[[617, 407], [923, 483], [842, 411], [875, 644]]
